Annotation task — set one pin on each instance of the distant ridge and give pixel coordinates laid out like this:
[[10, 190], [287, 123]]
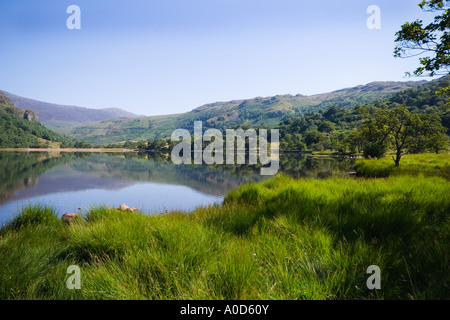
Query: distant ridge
[[21, 128], [255, 112], [56, 112]]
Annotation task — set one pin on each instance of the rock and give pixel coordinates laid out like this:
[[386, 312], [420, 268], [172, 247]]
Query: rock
[[31, 115], [71, 217], [124, 207]]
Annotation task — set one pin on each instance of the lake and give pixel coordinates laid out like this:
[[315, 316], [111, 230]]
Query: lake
[[74, 182]]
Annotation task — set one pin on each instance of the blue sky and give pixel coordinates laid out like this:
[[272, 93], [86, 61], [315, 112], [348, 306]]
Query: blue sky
[[170, 56]]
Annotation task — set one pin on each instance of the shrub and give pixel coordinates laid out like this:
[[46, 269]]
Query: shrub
[[374, 150]]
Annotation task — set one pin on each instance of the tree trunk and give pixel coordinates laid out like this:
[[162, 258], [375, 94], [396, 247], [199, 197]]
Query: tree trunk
[[398, 156]]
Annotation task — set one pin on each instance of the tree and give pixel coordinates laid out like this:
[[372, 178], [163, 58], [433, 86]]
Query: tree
[[142, 145], [293, 142], [432, 137], [130, 144], [157, 145], [401, 130], [355, 141], [327, 126], [82, 144], [313, 136], [433, 40], [373, 132]]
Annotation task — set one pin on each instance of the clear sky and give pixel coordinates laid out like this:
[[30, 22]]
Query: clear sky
[[170, 56]]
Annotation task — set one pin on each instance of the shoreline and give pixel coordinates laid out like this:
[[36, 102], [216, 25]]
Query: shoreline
[[248, 237], [93, 150], [123, 150]]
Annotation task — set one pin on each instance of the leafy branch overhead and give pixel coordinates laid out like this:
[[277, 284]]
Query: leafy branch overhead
[[431, 42]]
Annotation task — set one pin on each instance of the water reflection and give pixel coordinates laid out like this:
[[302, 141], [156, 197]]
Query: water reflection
[[69, 181]]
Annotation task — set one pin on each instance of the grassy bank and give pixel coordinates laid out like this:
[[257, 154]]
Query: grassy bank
[[281, 239], [428, 164]]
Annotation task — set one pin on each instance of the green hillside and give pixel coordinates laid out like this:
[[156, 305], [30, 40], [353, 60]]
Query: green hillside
[[268, 111], [336, 129], [21, 128], [120, 130]]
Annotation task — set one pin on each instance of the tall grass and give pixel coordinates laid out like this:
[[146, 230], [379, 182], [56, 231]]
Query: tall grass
[[428, 164], [281, 239]]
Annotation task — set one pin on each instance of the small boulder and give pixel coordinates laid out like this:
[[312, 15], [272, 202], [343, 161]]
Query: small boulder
[[71, 217], [124, 207]]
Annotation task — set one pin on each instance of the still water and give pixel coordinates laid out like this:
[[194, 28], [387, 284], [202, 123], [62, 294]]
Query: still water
[[74, 182]]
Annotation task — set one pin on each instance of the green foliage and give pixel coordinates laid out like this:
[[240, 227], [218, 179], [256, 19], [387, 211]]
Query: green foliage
[[130, 144], [21, 128], [255, 113], [342, 124], [374, 150], [282, 239], [319, 131], [159, 145], [327, 127], [429, 99], [17, 132], [82, 144], [401, 130], [293, 142], [433, 40], [427, 164], [33, 215], [335, 129]]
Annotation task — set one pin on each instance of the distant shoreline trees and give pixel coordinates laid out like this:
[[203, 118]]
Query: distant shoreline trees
[[402, 131]]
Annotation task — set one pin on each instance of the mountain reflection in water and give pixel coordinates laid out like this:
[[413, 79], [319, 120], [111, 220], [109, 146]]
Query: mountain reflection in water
[[151, 182]]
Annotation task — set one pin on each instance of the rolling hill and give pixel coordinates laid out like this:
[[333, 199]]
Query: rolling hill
[[21, 128], [260, 111], [62, 118], [7, 105]]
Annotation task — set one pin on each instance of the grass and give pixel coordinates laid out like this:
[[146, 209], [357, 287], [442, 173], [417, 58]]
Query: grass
[[49, 144], [428, 164], [121, 130], [280, 239], [62, 127]]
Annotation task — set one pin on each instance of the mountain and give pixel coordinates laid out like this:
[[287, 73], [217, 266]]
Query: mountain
[[7, 105], [260, 111], [335, 129], [61, 118], [21, 128]]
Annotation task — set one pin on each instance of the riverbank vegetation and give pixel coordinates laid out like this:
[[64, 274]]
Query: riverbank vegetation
[[427, 164], [279, 239]]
